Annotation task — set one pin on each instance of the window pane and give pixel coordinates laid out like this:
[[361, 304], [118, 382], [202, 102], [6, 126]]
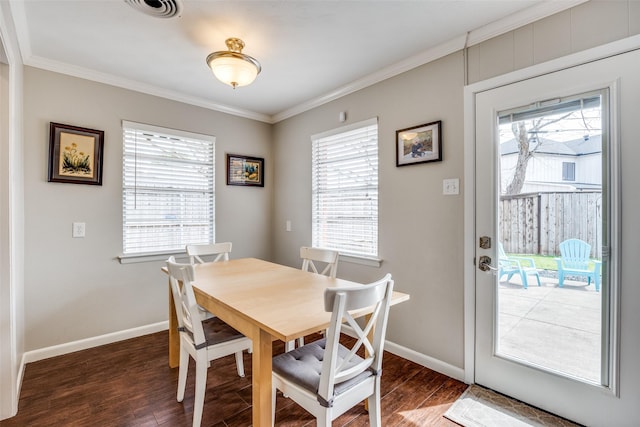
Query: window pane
[[345, 190], [168, 189]]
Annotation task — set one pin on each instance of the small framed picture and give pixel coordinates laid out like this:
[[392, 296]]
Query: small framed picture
[[75, 154], [419, 144], [243, 170]]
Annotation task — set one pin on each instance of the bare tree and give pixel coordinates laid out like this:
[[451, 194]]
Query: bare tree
[[528, 143]]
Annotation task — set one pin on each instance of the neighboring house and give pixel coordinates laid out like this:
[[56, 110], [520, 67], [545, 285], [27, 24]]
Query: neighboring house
[[574, 165]]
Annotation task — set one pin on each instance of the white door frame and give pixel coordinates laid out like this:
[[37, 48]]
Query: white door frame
[[470, 92], [11, 221]]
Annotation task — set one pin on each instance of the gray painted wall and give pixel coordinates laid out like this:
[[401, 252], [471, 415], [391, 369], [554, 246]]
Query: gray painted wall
[[420, 230], [76, 288]]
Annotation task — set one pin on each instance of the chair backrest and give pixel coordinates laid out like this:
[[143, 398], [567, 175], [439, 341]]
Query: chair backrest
[[575, 253], [501, 253], [219, 250], [339, 301], [181, 277], [330, 257]]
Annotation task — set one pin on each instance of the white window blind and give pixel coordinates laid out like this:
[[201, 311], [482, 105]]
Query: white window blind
[[168, 197], [345, 189]]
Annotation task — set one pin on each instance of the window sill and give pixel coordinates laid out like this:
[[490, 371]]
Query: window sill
[[162, 256], [354, 259], [149, 257]]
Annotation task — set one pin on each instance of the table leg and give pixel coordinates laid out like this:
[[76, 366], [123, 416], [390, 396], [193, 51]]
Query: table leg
[[261, 367], [174, 337]]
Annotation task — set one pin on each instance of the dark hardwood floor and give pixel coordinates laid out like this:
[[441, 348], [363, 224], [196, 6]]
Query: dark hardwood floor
[[129, 383]]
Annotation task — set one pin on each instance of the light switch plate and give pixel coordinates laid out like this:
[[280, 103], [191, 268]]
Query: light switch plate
[[451, 186]]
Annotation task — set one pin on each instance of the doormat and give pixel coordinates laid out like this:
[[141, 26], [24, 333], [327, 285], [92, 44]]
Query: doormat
[[481, 407]]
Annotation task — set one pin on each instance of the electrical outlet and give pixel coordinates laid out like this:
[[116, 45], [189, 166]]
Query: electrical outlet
[[78, 229], [287, 225]]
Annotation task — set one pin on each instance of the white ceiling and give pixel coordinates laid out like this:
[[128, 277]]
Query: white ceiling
[[310, 51]]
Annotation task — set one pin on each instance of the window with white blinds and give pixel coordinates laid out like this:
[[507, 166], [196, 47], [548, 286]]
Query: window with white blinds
[[168, 197], [345, 189]]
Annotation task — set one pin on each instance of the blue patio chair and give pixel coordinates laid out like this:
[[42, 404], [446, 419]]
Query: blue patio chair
[[574, 260], [511, 265]]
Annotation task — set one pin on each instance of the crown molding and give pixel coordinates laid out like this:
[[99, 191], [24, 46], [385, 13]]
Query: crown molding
[[109, 79], [410, 63], [479, 35], [497, 28]]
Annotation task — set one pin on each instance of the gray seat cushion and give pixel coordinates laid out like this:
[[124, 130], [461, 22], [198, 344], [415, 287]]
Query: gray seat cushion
[[303, 366], [216, 331]]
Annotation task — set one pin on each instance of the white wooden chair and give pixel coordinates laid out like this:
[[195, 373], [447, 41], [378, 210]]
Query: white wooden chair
[[220, 252], [215, 252], [202, 340], [325, 377], [310, 256]]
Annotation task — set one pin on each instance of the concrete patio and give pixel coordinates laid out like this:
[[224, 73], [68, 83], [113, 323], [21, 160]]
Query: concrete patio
[[552, 327]]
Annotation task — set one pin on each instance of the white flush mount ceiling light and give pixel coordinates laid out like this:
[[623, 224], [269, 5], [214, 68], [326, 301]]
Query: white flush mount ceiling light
[[157, 8], [233, 67]]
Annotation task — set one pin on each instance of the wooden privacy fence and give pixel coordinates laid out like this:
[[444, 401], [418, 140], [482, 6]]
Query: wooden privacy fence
[[537, 223]]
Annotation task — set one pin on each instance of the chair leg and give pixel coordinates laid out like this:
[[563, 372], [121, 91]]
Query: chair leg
[[182, 373], [289, 345], [239, 363], [273, 403], [373, 401], [560, 278], [201, 387], [323, 419], [523, 276]]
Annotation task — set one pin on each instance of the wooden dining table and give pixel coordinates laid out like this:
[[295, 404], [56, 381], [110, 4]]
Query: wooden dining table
[[265, 302]]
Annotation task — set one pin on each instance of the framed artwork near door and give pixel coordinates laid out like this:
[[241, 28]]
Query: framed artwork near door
[[75, 154], [419, 144]]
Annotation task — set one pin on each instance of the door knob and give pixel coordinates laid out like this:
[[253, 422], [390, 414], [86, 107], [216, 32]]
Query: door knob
[[484, 264]]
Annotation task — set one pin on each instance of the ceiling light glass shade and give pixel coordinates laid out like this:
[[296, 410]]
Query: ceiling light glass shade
[[233, 67]]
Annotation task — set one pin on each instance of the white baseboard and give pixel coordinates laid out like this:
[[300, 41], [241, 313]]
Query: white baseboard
[[419, 358], [426, 361], [58, 350]]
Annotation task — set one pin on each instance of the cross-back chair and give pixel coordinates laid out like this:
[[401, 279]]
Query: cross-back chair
[[328, 257], [215, 252], [326, 377], [203, 340], [310, 256], [219, 252]]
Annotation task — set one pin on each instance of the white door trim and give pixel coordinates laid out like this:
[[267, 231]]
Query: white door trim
[[11, 221], [470, 92]]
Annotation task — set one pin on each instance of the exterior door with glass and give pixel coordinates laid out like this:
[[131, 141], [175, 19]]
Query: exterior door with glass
[[547, 225]]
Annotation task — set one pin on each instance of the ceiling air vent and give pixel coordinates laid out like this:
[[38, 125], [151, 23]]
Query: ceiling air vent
[[157, 8]]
